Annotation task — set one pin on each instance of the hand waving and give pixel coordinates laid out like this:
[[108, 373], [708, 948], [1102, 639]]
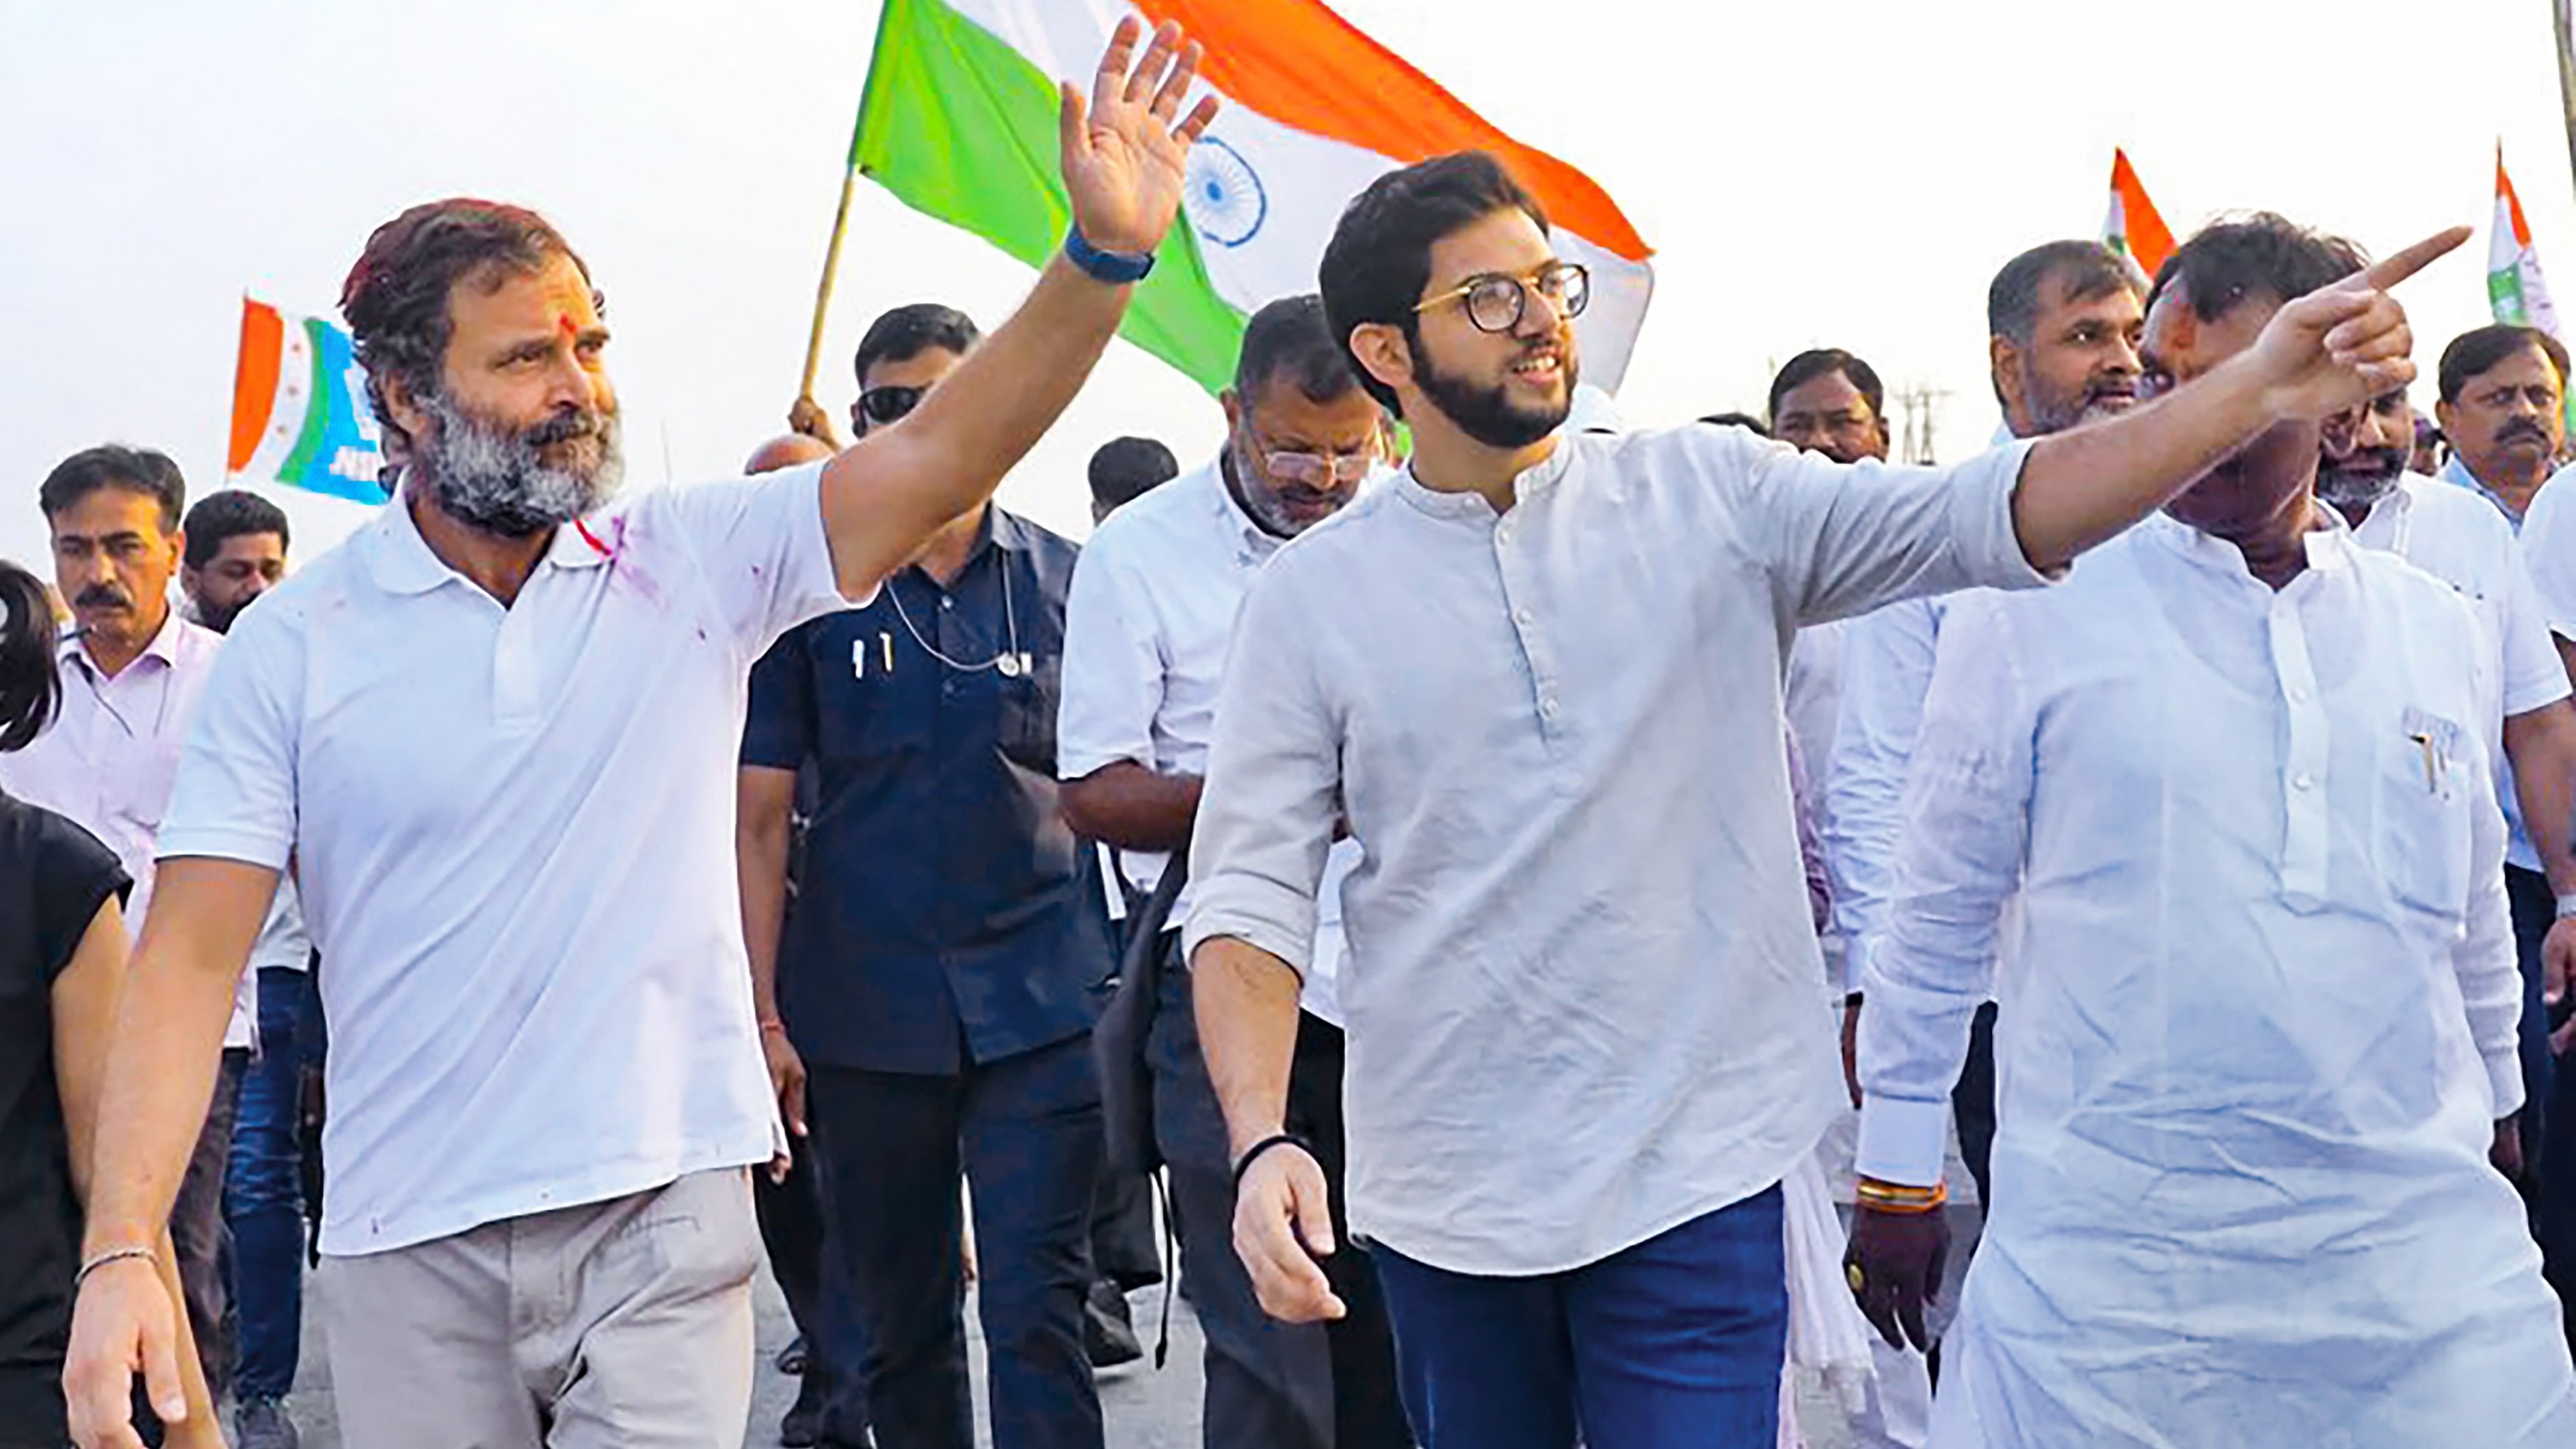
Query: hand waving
[[2340, 346], [1123, 151]]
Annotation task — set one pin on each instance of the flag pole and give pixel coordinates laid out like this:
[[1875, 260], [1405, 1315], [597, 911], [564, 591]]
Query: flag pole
[[2563, 20], [823, 290]]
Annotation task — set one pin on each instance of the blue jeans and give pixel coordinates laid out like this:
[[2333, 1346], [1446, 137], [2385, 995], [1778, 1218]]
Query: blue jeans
[[1676, 1343], [263, 1187]]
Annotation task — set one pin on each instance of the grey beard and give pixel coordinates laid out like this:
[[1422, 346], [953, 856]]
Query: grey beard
[[2356, 491], [496, 480]]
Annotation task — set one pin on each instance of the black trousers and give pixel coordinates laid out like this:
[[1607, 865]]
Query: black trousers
[[1972, 1100], [2549, 1105], [1270, 1385], [1024, 1133]]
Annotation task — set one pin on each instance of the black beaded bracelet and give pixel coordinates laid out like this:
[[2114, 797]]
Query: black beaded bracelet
[[1276, 1139]]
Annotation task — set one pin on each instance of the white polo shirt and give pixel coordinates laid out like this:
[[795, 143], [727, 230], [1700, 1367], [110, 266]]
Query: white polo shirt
[[514, 841]]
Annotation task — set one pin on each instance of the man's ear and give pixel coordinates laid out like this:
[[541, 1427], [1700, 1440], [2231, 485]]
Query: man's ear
[[407, 413], [1384, 353]]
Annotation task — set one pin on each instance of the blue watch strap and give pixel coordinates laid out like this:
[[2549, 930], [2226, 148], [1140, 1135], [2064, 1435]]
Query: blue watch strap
[[1118, 269]]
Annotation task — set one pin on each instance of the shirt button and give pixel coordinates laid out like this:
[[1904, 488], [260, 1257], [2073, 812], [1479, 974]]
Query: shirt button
[[1521, 617], [1503, 534], [1547, 707], [946, 602], [2299, 696], [2302, 782]]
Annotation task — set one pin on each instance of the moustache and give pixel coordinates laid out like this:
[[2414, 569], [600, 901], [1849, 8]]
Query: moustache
[[103, 596], [2522, 429], [564, 427]]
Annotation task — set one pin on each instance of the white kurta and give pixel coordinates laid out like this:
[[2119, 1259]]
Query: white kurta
[[2264, 1022]]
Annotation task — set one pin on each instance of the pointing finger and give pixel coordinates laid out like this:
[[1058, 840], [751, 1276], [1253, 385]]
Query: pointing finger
[[2390, 270]]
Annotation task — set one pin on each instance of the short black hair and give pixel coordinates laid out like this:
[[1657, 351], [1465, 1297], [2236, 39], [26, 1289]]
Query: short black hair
[[30, 687], [396, 297], [1379, 260], [2088, 270], [911, 330], [1126, 469], [1288, 340], [114, 465], [1818, 362], [1746, 421], [2261, 254], [2472, 353], [230, 513]]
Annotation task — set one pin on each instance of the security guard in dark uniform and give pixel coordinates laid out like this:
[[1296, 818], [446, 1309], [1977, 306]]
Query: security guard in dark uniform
[[947, 957]]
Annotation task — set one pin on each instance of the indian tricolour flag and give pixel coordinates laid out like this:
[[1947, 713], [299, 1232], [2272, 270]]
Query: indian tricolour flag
[[959, 120], [2514, 287], [2133, 228], [300, 412]]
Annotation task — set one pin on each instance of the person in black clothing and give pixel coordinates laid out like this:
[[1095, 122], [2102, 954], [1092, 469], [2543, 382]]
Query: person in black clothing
[[934, 989], [62, 964]]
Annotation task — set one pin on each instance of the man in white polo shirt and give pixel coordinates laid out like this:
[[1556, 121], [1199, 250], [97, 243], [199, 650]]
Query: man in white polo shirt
[[496, 732], [1538, 677]]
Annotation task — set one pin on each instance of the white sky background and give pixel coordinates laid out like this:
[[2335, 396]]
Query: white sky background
[[1848, 175]]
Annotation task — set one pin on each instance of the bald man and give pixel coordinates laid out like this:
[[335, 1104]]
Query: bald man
[[787, 450], [791, 1211]]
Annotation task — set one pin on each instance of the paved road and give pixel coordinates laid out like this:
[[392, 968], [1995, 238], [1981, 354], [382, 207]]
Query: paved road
[[1144, 1408]]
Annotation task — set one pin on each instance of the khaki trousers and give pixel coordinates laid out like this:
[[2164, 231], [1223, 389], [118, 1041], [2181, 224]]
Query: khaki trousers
[[625, 1323]]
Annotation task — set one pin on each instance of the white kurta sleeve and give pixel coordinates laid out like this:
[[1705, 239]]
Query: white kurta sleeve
[[1965, 837], [1267, 815], [1842, 540], [1113, 665], [2485, 959], [2548, 544], [1887, 668]]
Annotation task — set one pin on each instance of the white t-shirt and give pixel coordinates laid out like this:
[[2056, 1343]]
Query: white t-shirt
[[514, 844]]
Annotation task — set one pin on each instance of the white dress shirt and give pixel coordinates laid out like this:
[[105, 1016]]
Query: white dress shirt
[[1147, 627], [2549, 551], [2264, 1021], [1887, 668], [512, 830], [1584, 995], [2466, 542], [107, 760]]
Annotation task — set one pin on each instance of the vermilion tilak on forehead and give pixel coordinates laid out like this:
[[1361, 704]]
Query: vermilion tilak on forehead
[[570, 328]]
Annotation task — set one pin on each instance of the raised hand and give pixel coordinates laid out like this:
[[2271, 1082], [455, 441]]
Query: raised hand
[[1124, 152], [2340, 346]]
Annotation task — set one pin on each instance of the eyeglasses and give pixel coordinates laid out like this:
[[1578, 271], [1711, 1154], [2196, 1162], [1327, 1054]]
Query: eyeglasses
[[1317, 470], [882, 406], [1496, 303]]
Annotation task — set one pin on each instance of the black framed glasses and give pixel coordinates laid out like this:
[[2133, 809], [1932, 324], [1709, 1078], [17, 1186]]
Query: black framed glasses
[[1496, 302], [883, 406]]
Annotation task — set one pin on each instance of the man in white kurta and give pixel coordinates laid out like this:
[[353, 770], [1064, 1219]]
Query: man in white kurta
[[2264, 1023]]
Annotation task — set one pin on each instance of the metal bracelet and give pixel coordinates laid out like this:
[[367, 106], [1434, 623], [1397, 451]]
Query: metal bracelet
[[113, 1255]]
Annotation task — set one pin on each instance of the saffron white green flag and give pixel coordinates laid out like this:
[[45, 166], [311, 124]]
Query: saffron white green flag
[[2514, 286], [959, 121]]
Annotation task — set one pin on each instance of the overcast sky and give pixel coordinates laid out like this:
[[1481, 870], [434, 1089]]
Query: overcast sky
[[1848, 174]]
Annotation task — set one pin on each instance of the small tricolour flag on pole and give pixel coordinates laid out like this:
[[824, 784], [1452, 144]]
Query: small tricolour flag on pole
[[959, 120], [2514, 287], [2133, 228], [300, 413]]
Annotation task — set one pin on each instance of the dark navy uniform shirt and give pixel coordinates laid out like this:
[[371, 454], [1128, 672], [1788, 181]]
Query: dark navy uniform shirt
[[944, 912]]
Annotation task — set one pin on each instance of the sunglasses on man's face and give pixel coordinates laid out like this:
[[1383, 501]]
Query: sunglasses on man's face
[[884, 406]]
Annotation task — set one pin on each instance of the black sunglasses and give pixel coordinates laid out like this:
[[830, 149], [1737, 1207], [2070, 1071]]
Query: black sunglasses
[[882, 406]]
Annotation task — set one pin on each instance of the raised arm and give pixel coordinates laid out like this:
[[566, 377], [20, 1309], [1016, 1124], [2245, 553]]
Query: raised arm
[[2331, 350], [1122, 154]]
